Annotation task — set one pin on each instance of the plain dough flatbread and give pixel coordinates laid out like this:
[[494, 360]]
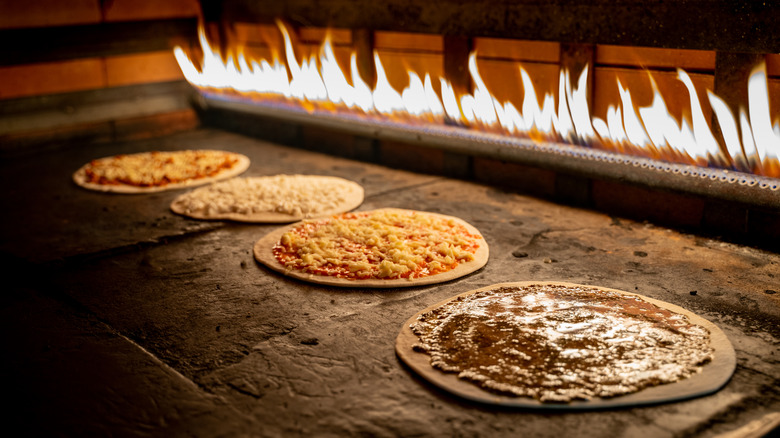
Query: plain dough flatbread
[[79, 177], [353, 194], [714, 375], [263, 251]]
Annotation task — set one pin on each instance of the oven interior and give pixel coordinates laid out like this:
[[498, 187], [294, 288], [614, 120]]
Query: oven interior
[[124, 318]]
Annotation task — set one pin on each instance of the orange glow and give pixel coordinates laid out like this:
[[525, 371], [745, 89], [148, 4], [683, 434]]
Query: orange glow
[[750, 140]]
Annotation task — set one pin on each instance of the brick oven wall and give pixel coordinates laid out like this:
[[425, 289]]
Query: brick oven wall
[[69, 86]]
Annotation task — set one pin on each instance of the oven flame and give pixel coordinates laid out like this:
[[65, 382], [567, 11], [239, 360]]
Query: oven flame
[[750, 140]]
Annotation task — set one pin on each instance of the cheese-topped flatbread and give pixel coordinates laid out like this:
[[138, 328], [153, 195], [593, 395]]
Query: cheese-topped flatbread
[[271, 199], [156, 171], [562, 345], [379, 248]]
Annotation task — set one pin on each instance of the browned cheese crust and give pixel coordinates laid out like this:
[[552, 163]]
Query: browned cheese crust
[[263, 252], [82, 178]]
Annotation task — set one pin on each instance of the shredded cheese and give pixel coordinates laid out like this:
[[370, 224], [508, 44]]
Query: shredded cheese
[[294, 195], [385, 244]]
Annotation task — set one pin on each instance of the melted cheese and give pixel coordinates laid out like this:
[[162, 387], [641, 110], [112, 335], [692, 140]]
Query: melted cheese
[[379, 245], [150, 169], [294, 195], [559, 343]]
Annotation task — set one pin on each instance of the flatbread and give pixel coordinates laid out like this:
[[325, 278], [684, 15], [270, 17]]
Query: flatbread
[[263, 252], [713, 376], [163, 168], [271, 199]]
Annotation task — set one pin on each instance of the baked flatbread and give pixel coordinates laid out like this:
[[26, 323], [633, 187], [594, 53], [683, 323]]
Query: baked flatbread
[[556, 345], [271, 199], [148, 172], [382, 248]]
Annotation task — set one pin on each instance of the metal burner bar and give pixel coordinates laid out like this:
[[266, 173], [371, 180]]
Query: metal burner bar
[[577, 160]]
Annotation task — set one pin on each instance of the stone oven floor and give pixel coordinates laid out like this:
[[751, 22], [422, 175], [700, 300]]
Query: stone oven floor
[[121, 318]]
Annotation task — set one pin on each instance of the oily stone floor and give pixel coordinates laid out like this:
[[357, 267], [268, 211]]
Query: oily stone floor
[[120, 318]]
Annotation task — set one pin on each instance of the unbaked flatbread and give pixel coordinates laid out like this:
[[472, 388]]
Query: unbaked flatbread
[[271, 199], [263, 251], [712, 377], [80, 176]]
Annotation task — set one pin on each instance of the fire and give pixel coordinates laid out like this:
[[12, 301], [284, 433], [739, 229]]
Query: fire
[[750, 140]]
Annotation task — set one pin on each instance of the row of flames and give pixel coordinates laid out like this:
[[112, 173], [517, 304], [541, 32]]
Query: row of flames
[[750, 141]]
